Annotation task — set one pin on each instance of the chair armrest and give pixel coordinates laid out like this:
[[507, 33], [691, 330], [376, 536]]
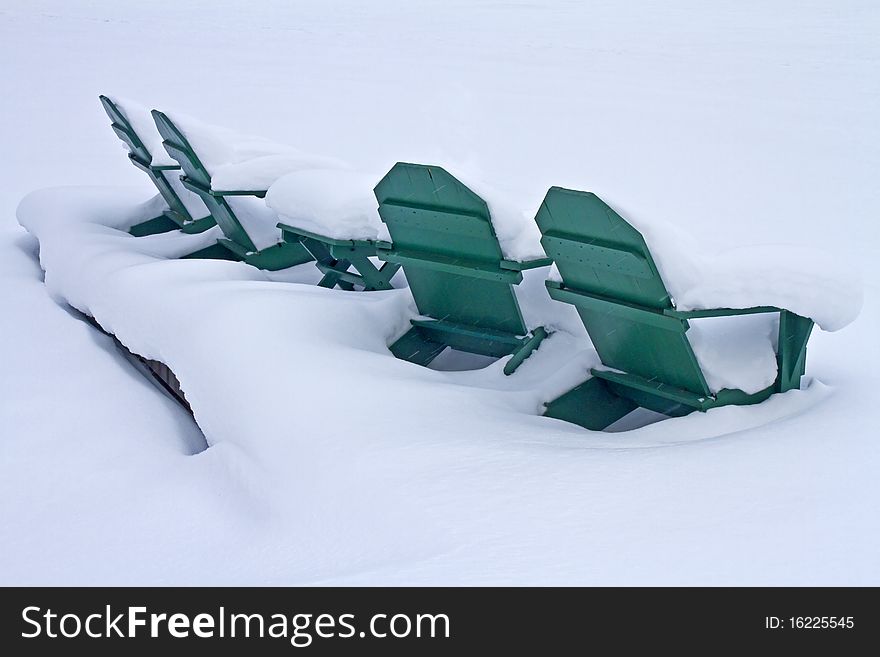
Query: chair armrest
[[199, 188], [522, 265], [259, 193], [719, 312]]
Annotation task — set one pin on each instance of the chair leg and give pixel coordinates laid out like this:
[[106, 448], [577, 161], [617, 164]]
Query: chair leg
[[214, 252], [416, 348], [791, 350], [332, 278], [374, 278], [592, 405]]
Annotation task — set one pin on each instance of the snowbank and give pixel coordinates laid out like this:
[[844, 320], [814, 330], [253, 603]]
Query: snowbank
[[332, 202], [806, 281]]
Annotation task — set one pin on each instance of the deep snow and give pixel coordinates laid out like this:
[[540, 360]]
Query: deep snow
[[737, 124]]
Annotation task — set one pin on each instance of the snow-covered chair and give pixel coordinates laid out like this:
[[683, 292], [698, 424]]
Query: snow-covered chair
[[333, 214], [231, 173], [608, 274], [133, 124], [443, 235]]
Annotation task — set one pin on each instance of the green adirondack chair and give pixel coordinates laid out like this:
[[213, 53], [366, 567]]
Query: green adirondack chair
[[609, 276], [443, 237], [197, 179], [163, 176]]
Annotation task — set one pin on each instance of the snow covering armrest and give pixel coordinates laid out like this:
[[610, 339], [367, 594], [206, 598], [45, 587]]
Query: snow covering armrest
[[287, 228]]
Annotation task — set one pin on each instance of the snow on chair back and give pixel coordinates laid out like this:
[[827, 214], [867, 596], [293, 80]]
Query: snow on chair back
[[443, 237], [197, 179], [608, 274], [177, 216], [124, 130]]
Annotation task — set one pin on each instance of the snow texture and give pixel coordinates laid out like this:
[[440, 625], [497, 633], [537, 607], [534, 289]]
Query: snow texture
[[320, 459], [239, 162], [330, 202]]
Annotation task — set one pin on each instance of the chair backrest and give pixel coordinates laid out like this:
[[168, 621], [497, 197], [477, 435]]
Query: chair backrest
[[602, 256], [180, 149], [445, 232], [124, 130]]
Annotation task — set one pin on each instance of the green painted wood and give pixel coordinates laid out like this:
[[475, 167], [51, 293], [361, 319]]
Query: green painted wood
[[223, 214], [428, 210], [279, 256], [720, 312], [620, 300], [466, 338], [443, 238], [451, 265], [592, 405], [465, 299], [161, 224], [124, 130], [528, 346], [416, 347], [216, 251], [791, 352], [515, 265], [657, 388], [627, 311], [198, 225], [197, 179], [178, 147], [582, 217], [595, 255], [440, 327], [334, 258]]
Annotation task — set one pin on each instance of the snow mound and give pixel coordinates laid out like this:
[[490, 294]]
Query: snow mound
[[738, 353], [807, 281], [332, 202], [244, 162], [141, 121], [803, 280]]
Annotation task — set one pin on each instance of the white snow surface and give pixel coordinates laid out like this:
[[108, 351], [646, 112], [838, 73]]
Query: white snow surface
[[809, 281], [239, 162], [332, 202], [329, 461], [259, 221]]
